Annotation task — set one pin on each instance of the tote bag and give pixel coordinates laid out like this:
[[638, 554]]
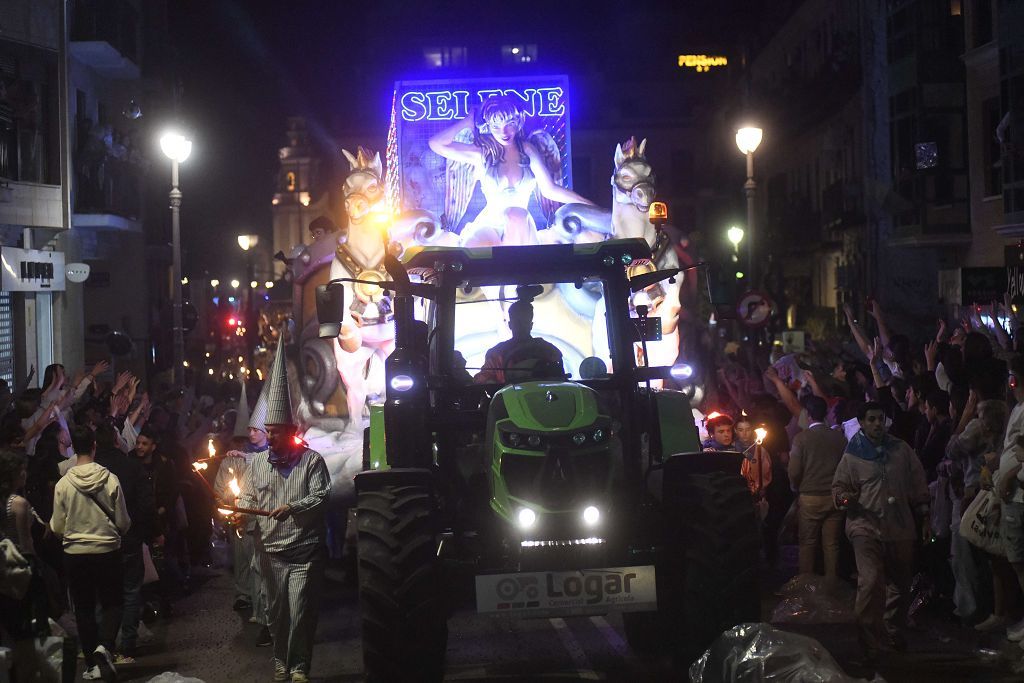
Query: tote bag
[[980, 523]]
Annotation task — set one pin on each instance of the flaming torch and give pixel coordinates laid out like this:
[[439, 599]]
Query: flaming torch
[[236, 490]]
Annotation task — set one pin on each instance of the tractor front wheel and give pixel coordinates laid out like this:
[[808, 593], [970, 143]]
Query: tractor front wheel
[[405, 631]]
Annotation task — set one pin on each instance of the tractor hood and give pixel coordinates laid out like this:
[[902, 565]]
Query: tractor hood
[[544, 406]]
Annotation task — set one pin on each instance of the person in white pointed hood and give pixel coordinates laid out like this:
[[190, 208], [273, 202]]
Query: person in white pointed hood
[[89, 512], [291, 482], [248, 441]]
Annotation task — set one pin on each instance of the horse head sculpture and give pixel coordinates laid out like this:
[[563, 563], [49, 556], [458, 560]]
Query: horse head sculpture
[[633, 179], [364, 188]]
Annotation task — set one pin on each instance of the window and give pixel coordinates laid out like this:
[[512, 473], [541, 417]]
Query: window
[[990, 115], [289, 181], [525, 53], [28, 106], [441, 57]]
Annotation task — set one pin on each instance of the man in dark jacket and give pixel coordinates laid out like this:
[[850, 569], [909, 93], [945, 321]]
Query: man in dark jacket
[[138, 497], [166, 490]]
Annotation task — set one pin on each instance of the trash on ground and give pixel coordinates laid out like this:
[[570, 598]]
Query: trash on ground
[[812, 599], [761, 652]]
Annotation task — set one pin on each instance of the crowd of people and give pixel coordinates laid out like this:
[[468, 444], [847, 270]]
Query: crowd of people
[[890, 462], [111, 497], [896, 463], [101, 500]]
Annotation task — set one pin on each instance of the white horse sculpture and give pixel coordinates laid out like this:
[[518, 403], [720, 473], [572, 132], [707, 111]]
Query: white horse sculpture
[[633, 191], [367, 332]]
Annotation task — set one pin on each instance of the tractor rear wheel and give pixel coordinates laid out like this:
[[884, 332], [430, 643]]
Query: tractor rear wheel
[[722, 542], [404, 625]]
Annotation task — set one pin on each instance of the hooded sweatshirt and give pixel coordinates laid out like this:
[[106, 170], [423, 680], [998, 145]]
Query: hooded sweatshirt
[[86, 528]]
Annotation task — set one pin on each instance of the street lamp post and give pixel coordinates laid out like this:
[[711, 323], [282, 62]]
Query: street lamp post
[[747, 139], [177, 148], [248, 244]]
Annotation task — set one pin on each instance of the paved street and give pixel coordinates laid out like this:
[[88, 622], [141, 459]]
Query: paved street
[[209, 641]]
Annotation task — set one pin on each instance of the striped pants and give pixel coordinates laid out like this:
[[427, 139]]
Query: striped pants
[[246, 570], [293, 594]]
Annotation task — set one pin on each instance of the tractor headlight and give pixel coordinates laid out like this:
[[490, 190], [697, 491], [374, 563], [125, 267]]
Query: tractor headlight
[[533, 440], [598, 435], [402, 383], [579, 438], [514, 439], [591, 515], [526, 518]]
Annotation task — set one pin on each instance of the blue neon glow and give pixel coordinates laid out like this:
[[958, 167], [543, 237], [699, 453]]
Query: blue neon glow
[[231, 299], [448, 105]]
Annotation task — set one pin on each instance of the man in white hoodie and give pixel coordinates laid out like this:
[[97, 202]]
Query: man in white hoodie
[[89, 513]]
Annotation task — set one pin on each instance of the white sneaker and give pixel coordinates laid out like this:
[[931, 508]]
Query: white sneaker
[[993, 623], [92, 674], [105, 662], [1016, 632]]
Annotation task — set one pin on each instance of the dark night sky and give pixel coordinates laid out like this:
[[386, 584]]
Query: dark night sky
[[245, 65]]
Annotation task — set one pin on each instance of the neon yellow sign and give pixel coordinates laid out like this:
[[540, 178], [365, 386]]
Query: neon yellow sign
[[702, 63]]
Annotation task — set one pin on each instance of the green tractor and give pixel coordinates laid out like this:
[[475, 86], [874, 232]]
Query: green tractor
[[546, 495]]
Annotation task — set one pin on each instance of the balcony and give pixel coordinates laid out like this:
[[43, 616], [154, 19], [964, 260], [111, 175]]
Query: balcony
[[952, 234], [108, 167], [104, 35]]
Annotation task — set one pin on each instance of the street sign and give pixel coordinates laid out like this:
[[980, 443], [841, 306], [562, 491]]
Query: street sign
[[31, 270], [754, 308]]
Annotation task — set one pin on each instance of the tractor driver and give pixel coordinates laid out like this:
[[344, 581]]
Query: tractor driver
[[523, 353]]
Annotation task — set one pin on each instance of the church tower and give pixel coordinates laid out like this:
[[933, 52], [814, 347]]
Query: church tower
[[297, 183]]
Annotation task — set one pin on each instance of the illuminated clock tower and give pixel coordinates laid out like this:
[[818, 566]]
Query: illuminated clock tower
[[295, 204]]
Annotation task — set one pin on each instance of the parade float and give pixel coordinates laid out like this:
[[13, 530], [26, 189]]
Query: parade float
[[443, 181]]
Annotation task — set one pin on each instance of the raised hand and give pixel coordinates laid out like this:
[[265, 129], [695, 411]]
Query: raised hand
[[121, 381], [931, 353], [98, 369]]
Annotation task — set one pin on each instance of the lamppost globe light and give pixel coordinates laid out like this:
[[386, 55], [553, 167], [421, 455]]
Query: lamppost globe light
[[735, 235], [176, 146], [253, 284], [214, 282], [748, 138], [269, 284], [234, 284], [247, 242]]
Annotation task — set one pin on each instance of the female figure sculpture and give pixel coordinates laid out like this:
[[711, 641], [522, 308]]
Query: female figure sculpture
[[508, 165]]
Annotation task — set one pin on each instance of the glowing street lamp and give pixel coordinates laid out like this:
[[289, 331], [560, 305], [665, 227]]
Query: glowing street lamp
[[177, 148], [247, 242], [215, 283], [735, 235], [235, 284], [748, 139]]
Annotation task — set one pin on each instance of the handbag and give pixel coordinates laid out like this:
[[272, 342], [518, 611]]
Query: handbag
[[979, 525], [15, 570]]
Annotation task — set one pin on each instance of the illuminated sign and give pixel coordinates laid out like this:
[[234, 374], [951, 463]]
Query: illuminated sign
[[417, 178], [447, 105], [702, 63]]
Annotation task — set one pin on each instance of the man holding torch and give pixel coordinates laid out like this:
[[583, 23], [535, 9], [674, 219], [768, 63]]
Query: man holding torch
[[289, 485]]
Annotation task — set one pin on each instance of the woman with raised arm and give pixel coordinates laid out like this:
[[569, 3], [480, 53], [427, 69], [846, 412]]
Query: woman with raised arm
[[508, 166]]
